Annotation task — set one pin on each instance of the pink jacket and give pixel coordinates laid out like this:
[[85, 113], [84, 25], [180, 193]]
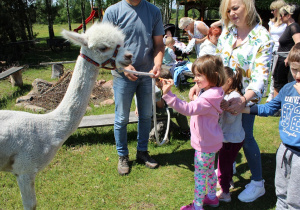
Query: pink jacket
[[206, 134]]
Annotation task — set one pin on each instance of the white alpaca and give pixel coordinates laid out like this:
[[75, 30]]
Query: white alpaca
[[28, 142]]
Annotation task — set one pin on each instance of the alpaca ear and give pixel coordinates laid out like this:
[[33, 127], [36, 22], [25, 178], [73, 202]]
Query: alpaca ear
[[76, 38]]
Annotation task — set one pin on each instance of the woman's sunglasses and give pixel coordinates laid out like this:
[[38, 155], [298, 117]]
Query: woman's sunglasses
[[281, 15]]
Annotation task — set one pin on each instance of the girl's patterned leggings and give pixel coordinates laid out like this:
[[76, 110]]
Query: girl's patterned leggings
[[204, 171]]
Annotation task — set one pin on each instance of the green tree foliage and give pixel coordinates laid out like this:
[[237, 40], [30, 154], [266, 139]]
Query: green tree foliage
[[75, 11]]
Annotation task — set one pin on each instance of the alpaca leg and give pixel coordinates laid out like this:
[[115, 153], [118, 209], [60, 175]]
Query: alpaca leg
[[26, 185]]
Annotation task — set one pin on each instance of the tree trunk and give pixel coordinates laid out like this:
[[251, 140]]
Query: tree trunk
[[28, 22], [49, 17], [68, 15], [83, 15], [177, 32], [99, 5]]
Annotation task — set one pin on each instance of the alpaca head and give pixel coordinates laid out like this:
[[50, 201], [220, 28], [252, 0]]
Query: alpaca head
[[100, 42]]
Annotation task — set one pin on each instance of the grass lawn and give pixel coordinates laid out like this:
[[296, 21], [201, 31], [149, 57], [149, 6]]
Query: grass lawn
[[83, 174]]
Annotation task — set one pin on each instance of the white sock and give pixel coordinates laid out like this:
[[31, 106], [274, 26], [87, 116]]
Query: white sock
[[197, 207], [211, 196]]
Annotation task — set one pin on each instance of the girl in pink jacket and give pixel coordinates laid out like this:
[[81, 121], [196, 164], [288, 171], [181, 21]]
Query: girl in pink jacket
[[206, 134]]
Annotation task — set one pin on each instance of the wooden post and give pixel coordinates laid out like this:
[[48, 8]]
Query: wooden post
[[57, 70], [16, 79]]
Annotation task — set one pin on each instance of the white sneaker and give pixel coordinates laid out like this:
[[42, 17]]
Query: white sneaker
[[270, 97], [252, 191]]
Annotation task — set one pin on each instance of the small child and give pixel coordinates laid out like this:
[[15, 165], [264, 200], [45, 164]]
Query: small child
[[287, 179], [169, 58], [233, 133], [206, 134]]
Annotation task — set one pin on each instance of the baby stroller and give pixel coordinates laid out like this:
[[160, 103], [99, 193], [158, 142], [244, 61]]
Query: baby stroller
[[178, 45]]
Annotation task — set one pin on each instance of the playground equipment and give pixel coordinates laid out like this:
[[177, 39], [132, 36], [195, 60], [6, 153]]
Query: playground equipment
[[94, 14]]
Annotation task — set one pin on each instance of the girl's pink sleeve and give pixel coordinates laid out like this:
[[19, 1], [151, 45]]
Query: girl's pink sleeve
[[198, 107]]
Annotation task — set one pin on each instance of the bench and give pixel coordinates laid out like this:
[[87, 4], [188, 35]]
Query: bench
[[57, 68], [16, 75], [58, 44], [103, 120], [106, 120]]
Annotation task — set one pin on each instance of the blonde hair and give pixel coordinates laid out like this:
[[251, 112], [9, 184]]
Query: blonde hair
[[184, 21], [212, 67], [252, 17], [276, 5], [289, 9], [170, 40]]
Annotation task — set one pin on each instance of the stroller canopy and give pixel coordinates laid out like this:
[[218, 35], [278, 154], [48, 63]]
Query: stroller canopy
[[170, 27]]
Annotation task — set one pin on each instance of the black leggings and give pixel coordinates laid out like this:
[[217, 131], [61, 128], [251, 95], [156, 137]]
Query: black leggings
[[281, 73]]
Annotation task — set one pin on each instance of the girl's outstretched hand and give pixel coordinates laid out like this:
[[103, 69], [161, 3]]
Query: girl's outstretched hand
[[167, 85]]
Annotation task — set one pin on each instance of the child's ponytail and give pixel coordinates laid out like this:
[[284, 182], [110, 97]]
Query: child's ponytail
[[237, 78]]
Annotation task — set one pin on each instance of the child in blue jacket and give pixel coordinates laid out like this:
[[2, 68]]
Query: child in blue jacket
[[287, 178]]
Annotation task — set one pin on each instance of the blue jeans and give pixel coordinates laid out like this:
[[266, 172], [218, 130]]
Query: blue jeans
[[251, 149], [124, 90]]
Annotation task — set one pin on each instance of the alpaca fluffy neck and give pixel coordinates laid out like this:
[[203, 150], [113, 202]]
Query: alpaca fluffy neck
[[73, 106]]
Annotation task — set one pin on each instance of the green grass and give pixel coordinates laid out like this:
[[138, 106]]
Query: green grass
[[83, 174]]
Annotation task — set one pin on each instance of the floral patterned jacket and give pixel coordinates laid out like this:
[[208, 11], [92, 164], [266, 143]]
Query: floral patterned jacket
[[253, 55]]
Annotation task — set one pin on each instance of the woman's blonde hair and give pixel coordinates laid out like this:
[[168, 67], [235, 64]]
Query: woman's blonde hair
[[252, 17], [291, 9], [276, 5], [212, 67]]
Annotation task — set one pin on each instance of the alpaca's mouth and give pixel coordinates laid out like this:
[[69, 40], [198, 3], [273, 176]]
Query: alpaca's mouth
[[125, 63]]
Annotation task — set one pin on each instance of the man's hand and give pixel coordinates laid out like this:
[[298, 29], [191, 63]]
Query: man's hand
[[155, 71], [130, 76]]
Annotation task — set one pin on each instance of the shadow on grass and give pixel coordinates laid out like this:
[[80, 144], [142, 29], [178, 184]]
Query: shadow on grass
[[18, 93], [184, 158], [102, 135]]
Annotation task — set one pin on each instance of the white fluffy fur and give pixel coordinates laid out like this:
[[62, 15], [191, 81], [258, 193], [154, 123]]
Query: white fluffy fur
[[28, 142]]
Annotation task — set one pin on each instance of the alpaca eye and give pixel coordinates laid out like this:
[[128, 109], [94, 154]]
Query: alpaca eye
[[103, 49]]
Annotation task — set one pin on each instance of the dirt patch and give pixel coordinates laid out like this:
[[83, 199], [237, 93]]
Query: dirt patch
[[50, 96]]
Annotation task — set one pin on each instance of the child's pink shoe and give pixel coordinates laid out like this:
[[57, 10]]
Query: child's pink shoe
[[191, 207], [212, 203], [188, 207]]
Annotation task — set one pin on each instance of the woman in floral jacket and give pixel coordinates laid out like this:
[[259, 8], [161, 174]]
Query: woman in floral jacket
[[245, 43]]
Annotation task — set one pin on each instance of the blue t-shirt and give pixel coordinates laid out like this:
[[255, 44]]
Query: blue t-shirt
[[139, 23], [288, 100]]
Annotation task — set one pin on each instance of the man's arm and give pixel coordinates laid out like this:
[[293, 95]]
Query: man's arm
[[159, 50]]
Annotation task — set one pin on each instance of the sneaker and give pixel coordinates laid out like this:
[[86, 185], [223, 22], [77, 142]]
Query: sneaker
[[188, 207], [270, 97], [218, 184], [225, 197], [252, 191], [212, 203], [123, 167], [144, 157], [191, 206]]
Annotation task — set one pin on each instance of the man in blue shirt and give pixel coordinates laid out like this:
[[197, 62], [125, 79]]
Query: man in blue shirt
[[142, 25]]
